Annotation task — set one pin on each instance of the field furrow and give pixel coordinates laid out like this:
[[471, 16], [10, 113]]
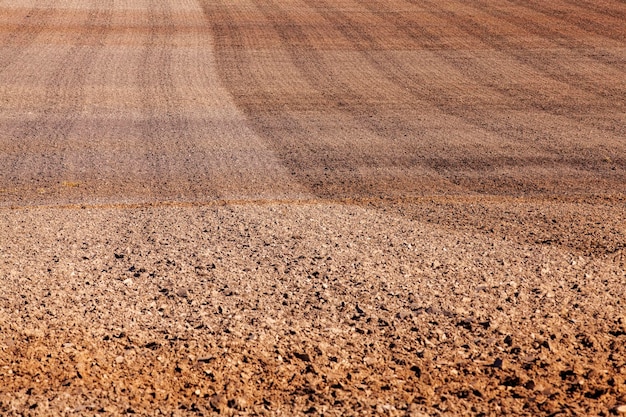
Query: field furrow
[[312, 207]]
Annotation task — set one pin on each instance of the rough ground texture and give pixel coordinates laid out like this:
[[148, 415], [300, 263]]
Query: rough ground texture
[[263, 207]]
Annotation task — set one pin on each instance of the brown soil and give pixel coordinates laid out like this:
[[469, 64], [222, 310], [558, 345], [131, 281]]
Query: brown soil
[[312, 207]]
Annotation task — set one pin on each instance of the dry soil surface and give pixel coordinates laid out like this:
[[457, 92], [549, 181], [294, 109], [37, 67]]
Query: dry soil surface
[[352, 207]]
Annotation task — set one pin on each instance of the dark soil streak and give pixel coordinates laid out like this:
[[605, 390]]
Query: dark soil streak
[[557, 36], [599, 23], [295, 37], [168, 143]]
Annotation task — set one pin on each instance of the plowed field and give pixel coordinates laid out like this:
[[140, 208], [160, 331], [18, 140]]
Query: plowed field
[[352, 207]]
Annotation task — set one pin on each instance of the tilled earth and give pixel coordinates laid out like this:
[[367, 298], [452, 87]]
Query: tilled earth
[[261, 207]]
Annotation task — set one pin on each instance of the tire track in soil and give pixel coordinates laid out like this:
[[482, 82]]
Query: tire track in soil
[[556, 36], [340, 157], [392, 70], [348, 103], [602, 8], [132, 111], [297, 151], [396, 72], [64, 98], [602, 24], [562, 73], [608, 92], [402, 78], [539, 107], [527, 101], [488, 36], [167, 127], [524, 98], [201, 154]]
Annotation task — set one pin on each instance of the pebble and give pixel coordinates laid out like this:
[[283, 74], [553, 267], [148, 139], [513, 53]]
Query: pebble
[[441, 335], [182, 292], [621, 409], [403, 315], [217, 402], [128, 282], [369, 361], [119, 359]]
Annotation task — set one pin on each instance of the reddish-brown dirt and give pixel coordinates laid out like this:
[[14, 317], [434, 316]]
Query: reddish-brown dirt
[[353, 207]]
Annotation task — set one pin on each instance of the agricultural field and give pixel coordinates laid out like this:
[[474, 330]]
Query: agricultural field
[[313, 207]]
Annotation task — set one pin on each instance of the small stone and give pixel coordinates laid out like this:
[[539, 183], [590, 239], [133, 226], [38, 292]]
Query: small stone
[[369, 361], [621, 409], [197, 392], [413, 411], [119, 359], [441, 335], [217, 402], [403, 315], [182, 292], [128, 282]]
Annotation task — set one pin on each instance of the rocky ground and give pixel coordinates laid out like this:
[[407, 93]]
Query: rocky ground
[[515, 308]]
